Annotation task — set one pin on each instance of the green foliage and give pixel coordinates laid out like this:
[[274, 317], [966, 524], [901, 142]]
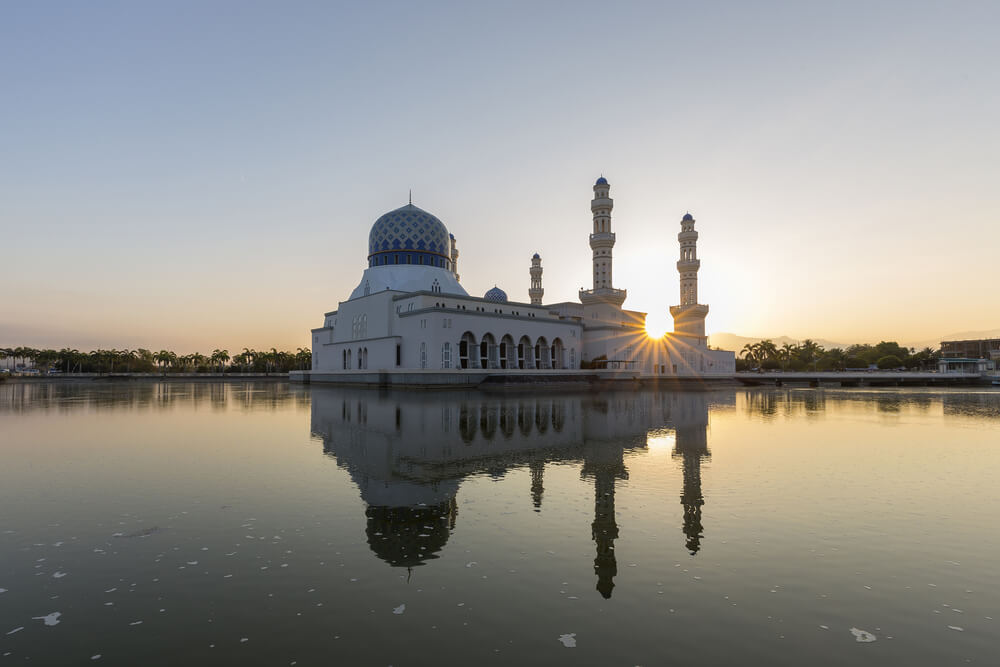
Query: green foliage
[[829, 363], [855, 362], [69, 360], [889, 361], [770, 364]]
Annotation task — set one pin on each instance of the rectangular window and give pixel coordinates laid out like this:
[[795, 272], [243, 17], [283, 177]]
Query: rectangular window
[[399, 355]]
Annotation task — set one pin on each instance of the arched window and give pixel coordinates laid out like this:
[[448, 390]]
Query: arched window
[[359, 358], [423, 355], [344, 359]]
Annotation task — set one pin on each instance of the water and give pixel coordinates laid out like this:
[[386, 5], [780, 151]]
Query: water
[[258, 523]]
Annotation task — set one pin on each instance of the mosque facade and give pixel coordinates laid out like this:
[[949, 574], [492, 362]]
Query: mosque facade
[[410, 318]]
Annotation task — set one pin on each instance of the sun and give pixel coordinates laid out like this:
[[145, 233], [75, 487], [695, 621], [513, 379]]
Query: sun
[[656, 325]]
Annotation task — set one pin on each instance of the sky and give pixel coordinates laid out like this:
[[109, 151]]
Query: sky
[[191, 175]]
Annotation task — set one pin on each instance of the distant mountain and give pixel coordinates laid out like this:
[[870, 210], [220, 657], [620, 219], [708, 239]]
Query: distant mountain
[[728, 341]]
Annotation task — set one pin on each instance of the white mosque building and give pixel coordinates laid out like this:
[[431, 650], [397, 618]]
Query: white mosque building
[[410, 321]]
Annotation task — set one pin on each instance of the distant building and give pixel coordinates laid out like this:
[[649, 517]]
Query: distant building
[[956, 365], [410, 313], [988, 348]]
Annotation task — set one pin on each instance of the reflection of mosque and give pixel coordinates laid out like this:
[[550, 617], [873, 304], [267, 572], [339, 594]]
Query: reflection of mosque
[[409, 452]]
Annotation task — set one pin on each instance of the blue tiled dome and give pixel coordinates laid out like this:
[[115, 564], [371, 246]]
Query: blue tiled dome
[[409, 228], [536, 256], [496, 295], [601, 181], [688, 216]]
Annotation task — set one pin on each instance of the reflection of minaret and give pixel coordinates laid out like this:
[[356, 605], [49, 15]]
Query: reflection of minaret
[[537, 469], [691, 446], [607, 466]]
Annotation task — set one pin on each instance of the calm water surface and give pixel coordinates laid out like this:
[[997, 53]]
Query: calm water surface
[[261, 523]]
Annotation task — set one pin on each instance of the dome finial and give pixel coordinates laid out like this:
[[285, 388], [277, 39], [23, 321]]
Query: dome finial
[[411, 196]]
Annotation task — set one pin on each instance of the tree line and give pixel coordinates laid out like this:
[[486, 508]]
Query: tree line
[[141, 360], [811, 356]]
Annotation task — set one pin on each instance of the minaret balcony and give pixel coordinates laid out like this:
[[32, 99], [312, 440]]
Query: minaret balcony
[[602, 239], [603, 295], [686, 265], [601, 202], [688, 236]]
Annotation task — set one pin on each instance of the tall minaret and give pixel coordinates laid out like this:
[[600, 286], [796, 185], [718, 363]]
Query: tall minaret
[[602, 240], [536, 291], [689, 316], [454, 255]]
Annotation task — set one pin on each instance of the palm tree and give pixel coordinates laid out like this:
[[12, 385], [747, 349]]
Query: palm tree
[[788, 350], [810, 351], [249, 356], [165, 358], [220, 357], [766, 350], [127, 357]]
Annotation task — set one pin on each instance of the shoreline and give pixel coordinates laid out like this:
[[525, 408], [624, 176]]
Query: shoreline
[[143, 377]]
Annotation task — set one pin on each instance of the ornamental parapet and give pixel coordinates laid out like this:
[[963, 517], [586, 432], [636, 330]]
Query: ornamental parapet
[[602, 239], [603, 295]]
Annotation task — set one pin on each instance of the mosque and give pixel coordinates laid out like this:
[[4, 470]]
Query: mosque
[[410, 321]]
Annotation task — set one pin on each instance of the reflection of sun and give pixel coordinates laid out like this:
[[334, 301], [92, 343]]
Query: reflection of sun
[[657, 324], [661, 439]]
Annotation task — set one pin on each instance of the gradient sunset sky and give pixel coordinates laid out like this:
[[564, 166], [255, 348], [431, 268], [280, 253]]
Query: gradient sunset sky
[[193, 175]]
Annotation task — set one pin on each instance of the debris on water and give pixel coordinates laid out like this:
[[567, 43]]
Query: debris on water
[[568, 640], [58, 575], [956, 628], [399, 610], [96, 657], [244, 640], [49, 619], [136, 623], [862, 635], [469, 564], [145, 532], [16, 630]]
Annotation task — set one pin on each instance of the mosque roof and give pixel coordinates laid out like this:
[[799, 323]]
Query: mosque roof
[[496, 295], [409, 228]]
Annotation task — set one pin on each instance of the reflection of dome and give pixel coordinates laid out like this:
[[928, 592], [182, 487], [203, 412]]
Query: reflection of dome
[[496, 295], [408, 536], [688, 216], [601, 181], [409, 228]]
